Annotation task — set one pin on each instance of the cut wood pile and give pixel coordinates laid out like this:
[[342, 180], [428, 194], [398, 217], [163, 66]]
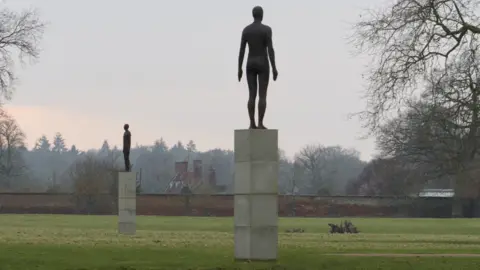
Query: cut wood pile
[[345, 227]]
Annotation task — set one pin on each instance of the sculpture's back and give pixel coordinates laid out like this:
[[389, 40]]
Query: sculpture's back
[[258, 36]]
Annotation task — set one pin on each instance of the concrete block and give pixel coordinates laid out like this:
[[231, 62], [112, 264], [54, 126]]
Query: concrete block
[[264, 210], [242, 237], [127, 203], [256, 192], [256, 243], [127, 228], [256, 210], [127, 184], [256, 145], [256, 177], [242, 211], [126, 215], [264, 243]]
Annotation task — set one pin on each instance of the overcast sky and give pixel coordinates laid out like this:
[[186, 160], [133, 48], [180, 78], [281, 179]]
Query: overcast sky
[[168, 68]]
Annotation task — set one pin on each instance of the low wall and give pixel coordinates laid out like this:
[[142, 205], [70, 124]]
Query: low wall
[[212, 205]]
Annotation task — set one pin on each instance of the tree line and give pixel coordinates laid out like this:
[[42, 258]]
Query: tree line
[[52, 165]]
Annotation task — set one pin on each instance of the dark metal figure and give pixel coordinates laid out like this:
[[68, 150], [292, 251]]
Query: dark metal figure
[[258, 36], [126, 146]]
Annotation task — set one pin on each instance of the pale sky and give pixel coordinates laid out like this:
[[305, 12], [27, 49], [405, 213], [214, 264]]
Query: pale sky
[[168, 68]]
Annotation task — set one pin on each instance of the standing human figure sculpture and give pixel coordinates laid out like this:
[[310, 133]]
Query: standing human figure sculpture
[[258, 36], [127, 138]]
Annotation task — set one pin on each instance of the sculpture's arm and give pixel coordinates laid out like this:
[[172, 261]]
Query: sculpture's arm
[[241, 54], [271, 51]]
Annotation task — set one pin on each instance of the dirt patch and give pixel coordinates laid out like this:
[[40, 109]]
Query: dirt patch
[[403, 255]]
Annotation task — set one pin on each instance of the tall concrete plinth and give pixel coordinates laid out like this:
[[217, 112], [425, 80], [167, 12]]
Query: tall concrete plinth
[[256, 190], [127, 203]]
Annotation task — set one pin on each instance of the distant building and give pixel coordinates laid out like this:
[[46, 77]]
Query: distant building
[[436, 193], [433, 203], [195, 180]]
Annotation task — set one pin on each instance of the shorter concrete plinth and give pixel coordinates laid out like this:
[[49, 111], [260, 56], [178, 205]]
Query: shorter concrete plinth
[[256, 190], [127, 203]]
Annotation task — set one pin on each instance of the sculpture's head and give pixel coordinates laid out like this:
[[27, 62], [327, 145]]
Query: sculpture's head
[[257, 13], [126, 126]]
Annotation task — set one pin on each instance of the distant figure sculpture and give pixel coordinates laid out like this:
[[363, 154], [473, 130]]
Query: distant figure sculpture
[[258, 36], [126, 146]]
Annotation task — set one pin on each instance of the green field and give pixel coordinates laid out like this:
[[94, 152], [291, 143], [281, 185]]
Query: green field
[[90, 242]]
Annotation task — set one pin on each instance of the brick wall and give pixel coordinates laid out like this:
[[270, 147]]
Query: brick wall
[[206, 205]]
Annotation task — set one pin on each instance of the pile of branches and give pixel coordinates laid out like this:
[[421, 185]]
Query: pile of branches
[[345, 227]]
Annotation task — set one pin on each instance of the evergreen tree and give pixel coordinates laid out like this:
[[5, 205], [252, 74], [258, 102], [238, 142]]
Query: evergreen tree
[[74, 150], [160, 146], [59, 143], [191, 146], [42, 144], [105, 147]]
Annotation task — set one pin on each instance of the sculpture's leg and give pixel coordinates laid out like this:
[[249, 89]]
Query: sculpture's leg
[[252, 90], [263, 78], [126, 156]]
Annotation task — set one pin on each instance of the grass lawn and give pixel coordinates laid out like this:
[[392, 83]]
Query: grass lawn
[[56, 242]]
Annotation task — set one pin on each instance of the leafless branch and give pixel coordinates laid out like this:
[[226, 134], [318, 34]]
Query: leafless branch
[[407, 41], [20, 33]]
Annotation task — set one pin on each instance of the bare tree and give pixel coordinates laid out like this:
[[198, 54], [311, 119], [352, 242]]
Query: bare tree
[[457, 90], [309, 158], [94, 183], [12, 141], [432, 42], [328, 168], [291, 174], [387, 177], [20, 33], [441, 128], [422, 137], [408, 40]]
